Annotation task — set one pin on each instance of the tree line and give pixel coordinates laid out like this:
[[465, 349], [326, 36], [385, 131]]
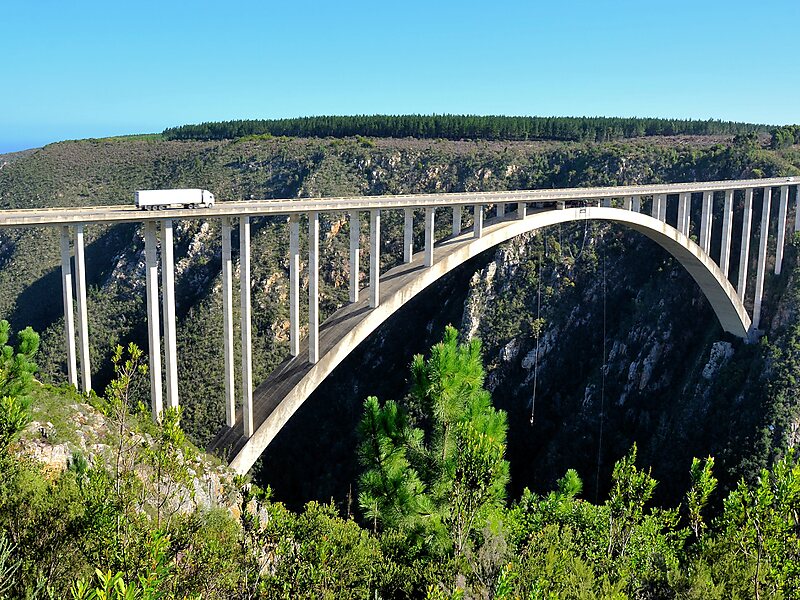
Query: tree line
[[457, 127]]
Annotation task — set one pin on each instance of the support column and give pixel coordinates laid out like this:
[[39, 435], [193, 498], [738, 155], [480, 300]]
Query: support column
[[313, 287], [168, 295], [408, 235], [797, 209], [783, 208], [456, 221], [429, 224], [247, 348], [69, 315], [153, 334], [627, 202], [706, 221], [660, 207], [477, 220], [522, 210], [227, 323], [500, 209], [681, 213], [744, 252], [727, 222], [605, 202], [83, 318], [355, 255], [684, 206], [637, 204], [762, 258], [294, 284], [374, 258]]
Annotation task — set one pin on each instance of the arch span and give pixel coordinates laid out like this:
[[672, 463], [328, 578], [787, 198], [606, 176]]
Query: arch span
[[292, 382]]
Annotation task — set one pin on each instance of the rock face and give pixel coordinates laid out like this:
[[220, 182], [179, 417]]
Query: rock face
[[721, 352], [628, 346], [86, 434]]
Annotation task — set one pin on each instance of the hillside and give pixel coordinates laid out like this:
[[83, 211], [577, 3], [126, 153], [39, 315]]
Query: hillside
[[675, 401]]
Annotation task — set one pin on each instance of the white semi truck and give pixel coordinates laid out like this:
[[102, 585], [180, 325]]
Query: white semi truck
[[155, 199]]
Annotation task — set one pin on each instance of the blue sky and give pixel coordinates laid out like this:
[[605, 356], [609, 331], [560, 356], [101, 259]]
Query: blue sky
[[87, 69]]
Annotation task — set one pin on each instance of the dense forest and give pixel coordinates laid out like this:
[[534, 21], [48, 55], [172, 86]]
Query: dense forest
[[458, 127]]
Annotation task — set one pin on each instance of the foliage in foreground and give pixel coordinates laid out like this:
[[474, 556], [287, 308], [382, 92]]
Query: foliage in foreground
[[437, 524]]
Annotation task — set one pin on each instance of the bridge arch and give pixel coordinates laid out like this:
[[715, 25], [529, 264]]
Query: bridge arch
[[292, 382]]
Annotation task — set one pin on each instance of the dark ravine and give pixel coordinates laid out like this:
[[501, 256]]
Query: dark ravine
[[662, 389]]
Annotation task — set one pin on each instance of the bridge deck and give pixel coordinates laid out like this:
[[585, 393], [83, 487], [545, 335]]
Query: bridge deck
[[286, 376]]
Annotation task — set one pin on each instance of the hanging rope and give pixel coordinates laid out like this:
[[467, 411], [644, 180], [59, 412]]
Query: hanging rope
[[538, 334], [602, 382]]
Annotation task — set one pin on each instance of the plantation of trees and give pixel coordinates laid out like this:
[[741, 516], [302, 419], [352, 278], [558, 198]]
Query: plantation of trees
[[457, 127]]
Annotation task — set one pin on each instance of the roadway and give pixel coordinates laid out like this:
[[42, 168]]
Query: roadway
[[36, 217]]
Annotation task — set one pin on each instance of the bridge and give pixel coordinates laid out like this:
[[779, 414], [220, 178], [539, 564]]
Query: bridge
[[495, 217]]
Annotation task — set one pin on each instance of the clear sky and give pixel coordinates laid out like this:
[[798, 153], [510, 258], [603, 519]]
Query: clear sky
[[85, 68]]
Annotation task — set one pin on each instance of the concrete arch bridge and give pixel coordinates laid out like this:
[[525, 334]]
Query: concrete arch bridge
[[495, 218]]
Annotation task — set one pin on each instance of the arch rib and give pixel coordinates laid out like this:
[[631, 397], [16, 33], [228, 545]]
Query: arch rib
[[292, 382]]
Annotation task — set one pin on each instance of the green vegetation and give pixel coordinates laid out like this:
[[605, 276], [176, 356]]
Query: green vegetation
[[436, 521], [782, 137], [457, 127]]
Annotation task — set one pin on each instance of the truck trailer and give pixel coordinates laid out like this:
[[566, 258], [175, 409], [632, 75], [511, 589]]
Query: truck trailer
[[158, 199]]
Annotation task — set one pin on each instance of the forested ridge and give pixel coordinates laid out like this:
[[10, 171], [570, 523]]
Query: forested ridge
[[457, 127], [423, 496]]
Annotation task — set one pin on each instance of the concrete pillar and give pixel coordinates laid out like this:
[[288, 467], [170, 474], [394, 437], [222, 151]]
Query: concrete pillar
[[477, 220], [153, 333], [83, 317], [684, 212], [408, 235], [69, 315], [659, 210], [522, 210], [605, 203], [374, 258], [637, 204], [227, 323], [727, 227], [744, 251], [627, 202], [456, 221], [294, 283], [783, 208], [797, 209], [247, 347], [168, 299], [313, 287], [762, 258], [501, 209], [429, 224], [355, 254], [706, 216]]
